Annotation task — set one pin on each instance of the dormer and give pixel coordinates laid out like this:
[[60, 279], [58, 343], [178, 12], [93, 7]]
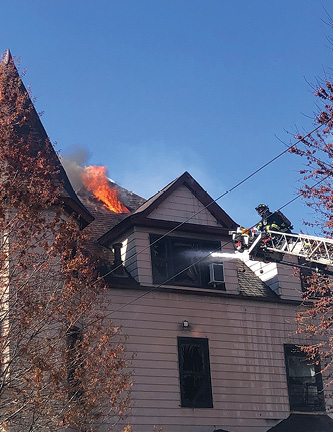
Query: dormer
[[177, 240], [284, 280]]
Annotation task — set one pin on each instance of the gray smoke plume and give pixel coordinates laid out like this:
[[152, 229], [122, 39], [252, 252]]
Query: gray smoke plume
[[73, 162]]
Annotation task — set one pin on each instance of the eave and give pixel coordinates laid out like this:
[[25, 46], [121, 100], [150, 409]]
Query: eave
[[84, 216], [196, 189], [137, 220]]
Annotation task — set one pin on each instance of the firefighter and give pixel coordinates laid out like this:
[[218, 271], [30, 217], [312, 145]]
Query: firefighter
[[276, 221]]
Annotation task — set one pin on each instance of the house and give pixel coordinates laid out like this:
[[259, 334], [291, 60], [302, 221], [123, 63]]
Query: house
[[213, 336]]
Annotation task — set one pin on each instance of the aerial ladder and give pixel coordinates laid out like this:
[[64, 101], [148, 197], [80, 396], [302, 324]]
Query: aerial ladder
[[273, 246]]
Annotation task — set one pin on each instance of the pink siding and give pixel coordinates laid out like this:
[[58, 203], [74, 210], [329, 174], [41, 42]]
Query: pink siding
[[137, 259], [136, 256], [246, 355], [181, 205], [246, 337]]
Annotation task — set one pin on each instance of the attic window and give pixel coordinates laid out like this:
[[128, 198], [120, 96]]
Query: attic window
[[186, 262]]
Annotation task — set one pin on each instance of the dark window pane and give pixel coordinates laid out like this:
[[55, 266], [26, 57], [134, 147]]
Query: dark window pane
[[159, 259], [184, 256], [74, 339], [304, 381], [312, 278], [194, 373], [182, 261]]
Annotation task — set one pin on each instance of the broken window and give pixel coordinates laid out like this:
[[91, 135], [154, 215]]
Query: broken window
[[183, 261], [305, 384], [194, 373]]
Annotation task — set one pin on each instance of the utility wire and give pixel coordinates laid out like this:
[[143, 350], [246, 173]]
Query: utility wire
[[154, 288], [300, 194], [218, 198]]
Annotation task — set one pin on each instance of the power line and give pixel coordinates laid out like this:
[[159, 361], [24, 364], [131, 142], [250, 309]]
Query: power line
[[219, 197], [199, 260]]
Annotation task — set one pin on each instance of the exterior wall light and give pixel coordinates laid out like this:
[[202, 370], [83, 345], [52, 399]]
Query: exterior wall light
[[185, 324]]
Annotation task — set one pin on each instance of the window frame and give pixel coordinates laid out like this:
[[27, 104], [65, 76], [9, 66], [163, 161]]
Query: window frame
[[308, 275], [295, 351], [166, 261], [206, 400], [74, 361]]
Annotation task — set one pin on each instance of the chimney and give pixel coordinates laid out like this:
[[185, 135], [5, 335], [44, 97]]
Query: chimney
[[118, 263]]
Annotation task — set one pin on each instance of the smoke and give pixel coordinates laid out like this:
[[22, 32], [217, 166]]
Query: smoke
[[73, 162]]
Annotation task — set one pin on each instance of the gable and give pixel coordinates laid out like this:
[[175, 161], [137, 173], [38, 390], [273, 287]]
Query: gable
[[183, 201], [189, 189], [180, 206], [27, 130]]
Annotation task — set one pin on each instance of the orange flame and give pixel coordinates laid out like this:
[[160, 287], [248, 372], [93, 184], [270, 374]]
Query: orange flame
[[95, 180]]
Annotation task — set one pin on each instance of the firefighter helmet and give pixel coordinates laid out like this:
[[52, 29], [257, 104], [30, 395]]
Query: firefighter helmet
[[261, 207]]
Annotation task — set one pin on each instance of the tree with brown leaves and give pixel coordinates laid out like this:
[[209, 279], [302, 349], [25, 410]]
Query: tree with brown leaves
[[62, 363], [316, 317]]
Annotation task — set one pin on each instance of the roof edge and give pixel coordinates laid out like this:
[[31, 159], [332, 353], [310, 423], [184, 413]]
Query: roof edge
[[71, 200], [197, 190], [140, 220]]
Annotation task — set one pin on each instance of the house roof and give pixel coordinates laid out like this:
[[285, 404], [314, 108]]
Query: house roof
[[252, 286], [140, 215], [304, 423], [112, 279], [105, 219], [68, 196], [187, 180]]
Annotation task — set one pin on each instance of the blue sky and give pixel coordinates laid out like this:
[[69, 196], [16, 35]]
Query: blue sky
[[151, 88]]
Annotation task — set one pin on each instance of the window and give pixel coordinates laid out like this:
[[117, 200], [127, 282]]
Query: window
[[74, 340], [305, 274], [305, 384], [194, 373], [183, 261], [314, 281]]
